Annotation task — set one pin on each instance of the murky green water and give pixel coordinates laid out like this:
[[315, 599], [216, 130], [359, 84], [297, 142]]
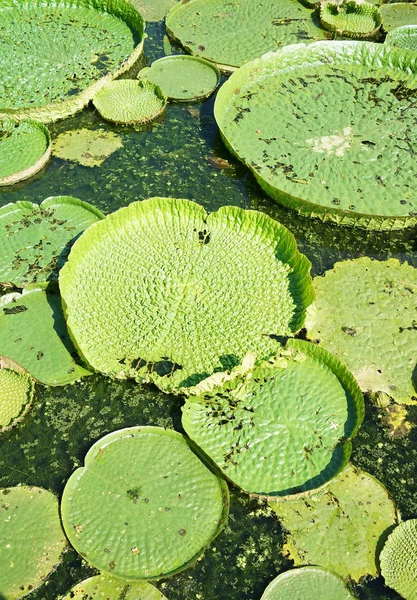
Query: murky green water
[[178, 156]]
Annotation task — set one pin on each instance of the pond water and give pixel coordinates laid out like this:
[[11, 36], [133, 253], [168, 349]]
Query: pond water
[[181, 155]]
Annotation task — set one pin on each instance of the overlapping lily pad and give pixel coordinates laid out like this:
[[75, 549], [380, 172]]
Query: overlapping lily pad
[[16, 393], [130, 102], [308, 583], [398, 14], [25, 149], [365, 313], [232, 34], [33, 333], [399, 559], [280, 427], [351, 18], [403, 37], [35, 240], [31, 539], [183, 78], [55, 57], [88, 147], [162, 290], [328, 130], [144, 506], [340, 525], [108, 587]]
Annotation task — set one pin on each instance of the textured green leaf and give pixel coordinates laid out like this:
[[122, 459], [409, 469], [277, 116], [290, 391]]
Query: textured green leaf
[[144, 506], [87, 147], [193, 293], [183, 78], [31, 539], [340, 525], [398, 14], [366, 314], [127, 101], [351, 18], [35, 240], [153, 10], [16, 394], [234, 33], [281, 427], [403, 37], [108, 587], [25, 148], [308, 583], [46, 79], [33, 333], [399, 559], [328, 130]]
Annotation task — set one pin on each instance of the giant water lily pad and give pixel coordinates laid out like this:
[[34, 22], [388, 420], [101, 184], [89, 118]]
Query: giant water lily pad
[[328, 130], [399, 559], [193, 293], [35, 240], [351, 18], [108, 587], [87, 147], [144, 506], [16, 393], [281, 427], [307, 583], [232, 34], [398, 14], [31, 539], [25, 149], [55, 57], [366, 314], [403, 37], [340, 525], [33, 334]]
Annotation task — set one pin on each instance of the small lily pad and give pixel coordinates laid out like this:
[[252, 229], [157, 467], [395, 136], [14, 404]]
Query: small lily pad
[[130, 102], [183, 78], [351, 18], [16, 393], [307, 583], [399, 559], [106, 586], [31, 539], [398, 14], [144, 506], [403, 37], [87, 147]]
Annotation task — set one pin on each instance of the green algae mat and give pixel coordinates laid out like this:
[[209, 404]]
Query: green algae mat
[[144, 506], [55, 56], [328, 130], [398, 559], [107, 586], [308, 583]]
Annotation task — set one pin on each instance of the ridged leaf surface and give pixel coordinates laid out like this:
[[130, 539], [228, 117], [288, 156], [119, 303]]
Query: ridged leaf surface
[[353, 18], [403, 37], [16, 393], [399, 559], [308, 583], [24, 149]]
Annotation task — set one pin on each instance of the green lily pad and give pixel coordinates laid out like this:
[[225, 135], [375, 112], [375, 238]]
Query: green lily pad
[[144, 506], [16, 393], [398, 14], [403, 37], [87, 147], [106, 586], [338, 526], [55, 57], [307, 583], [399, 559], [130, 102], [326, 129], [25, 149], [33, 333], [194, 292], [183, 78], [351, 18], [31, 539], [35, 240], [280, 427], [232, 34], [365, 313], [152, 10]]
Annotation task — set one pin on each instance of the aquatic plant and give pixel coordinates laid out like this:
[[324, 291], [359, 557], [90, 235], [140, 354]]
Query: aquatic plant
[[107, 586], [307, 583], [351, 18], [88, 147], [403, 37], [398, 559], [397, 14], [16, 393]]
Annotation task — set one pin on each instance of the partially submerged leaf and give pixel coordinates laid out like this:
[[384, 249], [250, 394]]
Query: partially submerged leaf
[[307, 583], [16, 394], [399, 559], [106, 586], [87, 147]]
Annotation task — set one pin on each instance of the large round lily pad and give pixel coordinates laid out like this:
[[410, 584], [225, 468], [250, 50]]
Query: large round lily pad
[[365, 313], [144, 506], [193, 293], [351, 18], [308, 583], [232, 34], [55, 57], [31, 539], [399, 559], [338, 526], [106, 586], [398, 14], [25, 149], [328, 130], [280, 427], [35, 240], [88, 147], [16, 393]]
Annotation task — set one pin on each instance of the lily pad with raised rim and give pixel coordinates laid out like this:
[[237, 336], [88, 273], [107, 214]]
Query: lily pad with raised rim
[[403, 37], [307, 583], [25, 149], [108, 587], [193, 293], [35, 240], [399, 559], [365, 313], [398, 14], [280, 427], [328, 130], [31, 539], [86, 147], [16, 393], [351, 18], [144, 506]]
